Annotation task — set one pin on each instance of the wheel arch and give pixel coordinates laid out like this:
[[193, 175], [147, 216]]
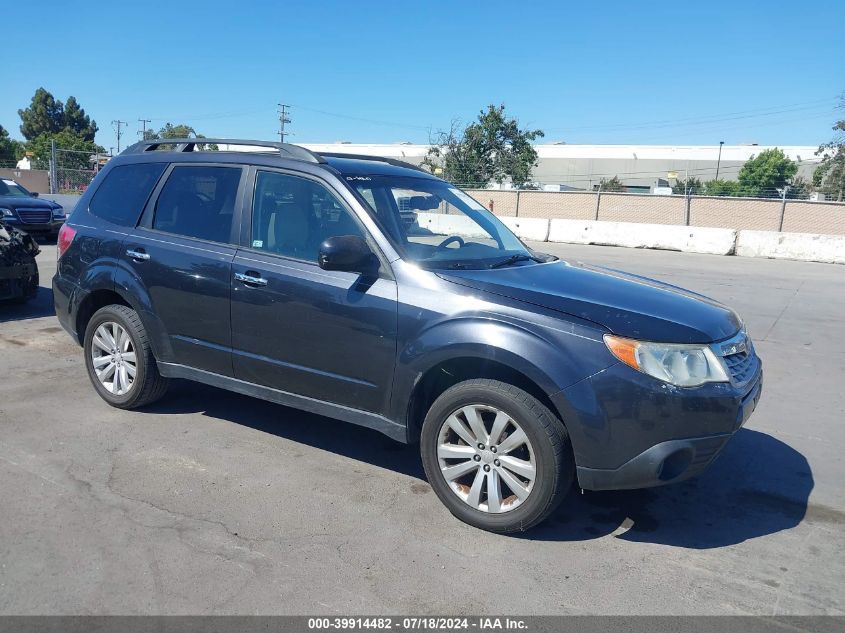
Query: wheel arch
[[101, 297], [449, 372], [93, 301]]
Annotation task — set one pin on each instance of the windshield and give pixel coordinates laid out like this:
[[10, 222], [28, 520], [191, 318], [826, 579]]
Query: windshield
[[438, 226], [13, 189]]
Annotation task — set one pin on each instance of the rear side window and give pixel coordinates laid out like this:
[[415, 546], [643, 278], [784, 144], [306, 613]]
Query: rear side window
[[122, 195], [198, 202]]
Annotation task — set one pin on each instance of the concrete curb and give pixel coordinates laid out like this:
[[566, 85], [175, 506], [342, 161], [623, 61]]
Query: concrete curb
[[808, 247], [691, 239]]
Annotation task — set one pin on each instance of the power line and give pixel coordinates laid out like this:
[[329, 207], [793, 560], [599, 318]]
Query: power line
[[348, 117], [231, 114], [283, 119], [118, 125]]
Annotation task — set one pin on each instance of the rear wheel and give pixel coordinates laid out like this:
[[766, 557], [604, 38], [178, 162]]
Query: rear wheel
[[496, 456], [119, 359]]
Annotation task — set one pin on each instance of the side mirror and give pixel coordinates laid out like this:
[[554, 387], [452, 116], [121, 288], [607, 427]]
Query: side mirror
[[34, 194], [348, 253]]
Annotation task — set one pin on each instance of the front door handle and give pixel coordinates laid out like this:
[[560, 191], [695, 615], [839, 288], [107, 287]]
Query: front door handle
[[137, 255], [251, 279]]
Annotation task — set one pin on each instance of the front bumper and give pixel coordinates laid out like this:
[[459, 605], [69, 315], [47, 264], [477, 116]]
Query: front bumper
[[629, 430], [14, 280], [50, 227]]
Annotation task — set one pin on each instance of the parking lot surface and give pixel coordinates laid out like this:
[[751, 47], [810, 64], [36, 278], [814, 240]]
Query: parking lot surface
[[214, 503]]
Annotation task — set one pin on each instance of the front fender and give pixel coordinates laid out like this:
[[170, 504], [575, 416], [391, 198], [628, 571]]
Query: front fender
[[551, 358]]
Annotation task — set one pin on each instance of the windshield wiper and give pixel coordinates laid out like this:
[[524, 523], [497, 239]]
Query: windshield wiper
[[513, 259]]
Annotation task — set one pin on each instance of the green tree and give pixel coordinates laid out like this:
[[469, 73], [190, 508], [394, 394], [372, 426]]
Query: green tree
[[829, 177], [48, 115], [172, 131], [79, 158], [10, 149], [45, 115], [180, 130], [763, 175], [693, 186], [491, 149], [612, 184], [75, 120], [721, 187]]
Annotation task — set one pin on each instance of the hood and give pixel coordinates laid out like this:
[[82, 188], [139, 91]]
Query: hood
[[16, 202], [626, 304]]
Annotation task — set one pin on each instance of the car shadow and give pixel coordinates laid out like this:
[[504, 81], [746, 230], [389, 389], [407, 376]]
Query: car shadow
[[759, 485], [41, 305], [348, 440]]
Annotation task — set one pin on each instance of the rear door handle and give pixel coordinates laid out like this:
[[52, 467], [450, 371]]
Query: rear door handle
[[251, 279], [138, 255]]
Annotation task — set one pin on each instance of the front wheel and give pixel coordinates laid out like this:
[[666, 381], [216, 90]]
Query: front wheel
[[496, 456], [119, 359]]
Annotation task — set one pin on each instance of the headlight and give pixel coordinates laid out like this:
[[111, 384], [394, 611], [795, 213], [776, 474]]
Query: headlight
[[59, 213], [681, 365], [6, 213]]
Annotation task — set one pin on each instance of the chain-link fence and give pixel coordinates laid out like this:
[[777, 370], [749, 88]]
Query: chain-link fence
[[764, 214], [74, 170]]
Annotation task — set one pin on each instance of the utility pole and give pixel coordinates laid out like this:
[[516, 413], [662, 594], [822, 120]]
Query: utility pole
[[284, 110], [118, 126], [143, 131], [719, 160]]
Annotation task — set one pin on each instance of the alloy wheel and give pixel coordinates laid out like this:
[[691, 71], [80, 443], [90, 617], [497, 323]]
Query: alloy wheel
[[486, 458], [113, 358]]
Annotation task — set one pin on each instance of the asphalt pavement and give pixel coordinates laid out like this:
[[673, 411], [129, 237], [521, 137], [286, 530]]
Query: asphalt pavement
[[214, 503]]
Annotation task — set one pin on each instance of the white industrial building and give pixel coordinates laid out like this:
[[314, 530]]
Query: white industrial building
[[563, 166]]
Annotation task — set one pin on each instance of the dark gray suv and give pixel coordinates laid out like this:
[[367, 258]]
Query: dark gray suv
[[367, 290]]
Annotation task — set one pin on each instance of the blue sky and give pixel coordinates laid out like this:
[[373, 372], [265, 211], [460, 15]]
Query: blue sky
[[611, 72]]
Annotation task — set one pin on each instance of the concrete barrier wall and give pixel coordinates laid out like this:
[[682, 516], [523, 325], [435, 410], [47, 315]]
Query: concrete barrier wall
[[802, 246], [449, 224], [758, 214], [68, 201], [634, 235], [534, 229]]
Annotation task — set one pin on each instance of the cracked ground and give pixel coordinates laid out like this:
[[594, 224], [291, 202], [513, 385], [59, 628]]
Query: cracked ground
[[214, 503]]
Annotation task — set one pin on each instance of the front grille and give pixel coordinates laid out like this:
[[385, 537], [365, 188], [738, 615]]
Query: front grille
[[35, 216], [741, 366]]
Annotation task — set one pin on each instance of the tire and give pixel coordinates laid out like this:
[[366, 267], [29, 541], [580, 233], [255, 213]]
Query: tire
[[147, 385], [547, 450]]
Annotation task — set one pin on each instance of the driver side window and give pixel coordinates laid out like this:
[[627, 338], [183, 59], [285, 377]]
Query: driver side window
[[291, 216]]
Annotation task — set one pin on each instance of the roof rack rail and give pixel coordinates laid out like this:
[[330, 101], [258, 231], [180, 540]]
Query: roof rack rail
[[390, 161], [286, 150]]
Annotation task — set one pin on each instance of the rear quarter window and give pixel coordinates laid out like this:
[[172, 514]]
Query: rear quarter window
[[120, 198]]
